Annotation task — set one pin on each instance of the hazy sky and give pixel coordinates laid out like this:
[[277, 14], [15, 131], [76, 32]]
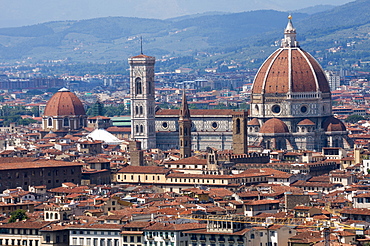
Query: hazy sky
[[28, 12]]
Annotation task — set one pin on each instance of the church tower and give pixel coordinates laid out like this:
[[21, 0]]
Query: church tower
[[184, 129], [142, 100], [240, 140]]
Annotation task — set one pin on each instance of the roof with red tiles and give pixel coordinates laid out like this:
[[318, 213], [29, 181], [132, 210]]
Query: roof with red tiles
[[261, 202], [306, 122], [143, 56], [26, 224], [274, 125], [332, 124], [174, 227], [254, 122], [36, 164]]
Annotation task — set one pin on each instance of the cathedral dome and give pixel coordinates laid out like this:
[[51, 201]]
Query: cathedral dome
[[64, 103], [332, 124], [274, 125], [290, 70]]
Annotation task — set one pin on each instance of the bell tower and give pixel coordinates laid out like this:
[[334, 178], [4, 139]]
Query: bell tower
[[240, 139], [184, 129], [142, 100]]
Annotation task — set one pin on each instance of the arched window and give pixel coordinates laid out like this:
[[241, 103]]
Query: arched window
[[185, 131], [141, 129], [137, 129], [141, 109], [66, 122], [237, 130], [138, 86], [50, 121], [136, 110]]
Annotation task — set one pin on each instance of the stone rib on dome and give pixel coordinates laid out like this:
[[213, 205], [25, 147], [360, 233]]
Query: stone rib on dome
[[332, 124], [64, 103], [274, 125]]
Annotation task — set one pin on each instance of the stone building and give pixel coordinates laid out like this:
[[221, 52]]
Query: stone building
[[21, 172]]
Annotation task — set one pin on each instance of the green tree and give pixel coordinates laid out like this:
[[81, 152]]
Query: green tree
[[35, 111], [18, 215], [26, 121], [97, 109], [354, 118]]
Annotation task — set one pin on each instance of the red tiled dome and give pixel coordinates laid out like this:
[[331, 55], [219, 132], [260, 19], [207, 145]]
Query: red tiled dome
[[306, 122], [64, 103], [290, 69], [332, 124], [274, 125]]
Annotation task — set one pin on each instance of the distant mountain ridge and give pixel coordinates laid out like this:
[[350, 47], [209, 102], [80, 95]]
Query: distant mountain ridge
[[315, 9], [246, 37]]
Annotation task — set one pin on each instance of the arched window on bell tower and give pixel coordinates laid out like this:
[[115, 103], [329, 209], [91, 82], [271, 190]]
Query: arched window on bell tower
[[237, 130], [138, 86]]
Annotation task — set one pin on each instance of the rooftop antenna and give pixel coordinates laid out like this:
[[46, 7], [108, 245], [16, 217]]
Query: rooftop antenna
[[141, 44]]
